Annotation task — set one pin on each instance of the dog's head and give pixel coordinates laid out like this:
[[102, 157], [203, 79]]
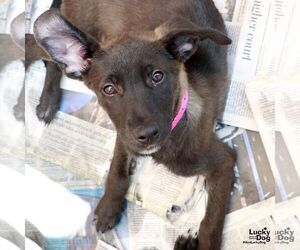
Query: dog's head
[[138, 79]]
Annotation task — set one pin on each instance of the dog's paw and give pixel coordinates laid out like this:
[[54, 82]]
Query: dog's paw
[[106, 215], [186, 243], [46, 113], [105, 223], [19, 112]]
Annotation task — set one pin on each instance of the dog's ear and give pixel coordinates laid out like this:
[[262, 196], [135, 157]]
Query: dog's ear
[[182, 44], [67, 45], [181, 37]]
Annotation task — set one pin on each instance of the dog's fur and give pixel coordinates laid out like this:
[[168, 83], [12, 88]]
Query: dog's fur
[[119, 44]]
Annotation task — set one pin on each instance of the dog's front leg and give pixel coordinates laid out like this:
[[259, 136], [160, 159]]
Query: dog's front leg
[[219, 180], [218, 164], [108, 210], [51, 94]]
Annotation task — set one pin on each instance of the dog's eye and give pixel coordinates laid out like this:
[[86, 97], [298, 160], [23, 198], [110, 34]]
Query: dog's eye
[[109, 90], [157, 77]]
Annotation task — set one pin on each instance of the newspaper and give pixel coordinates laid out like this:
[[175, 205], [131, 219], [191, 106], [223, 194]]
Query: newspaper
[[261, 97], [67, 141], [149, 231], [167, 194], [59, 174], [287, 224], [287, 116], [289, 64], [250, 228], [280, 95], [254, 54]]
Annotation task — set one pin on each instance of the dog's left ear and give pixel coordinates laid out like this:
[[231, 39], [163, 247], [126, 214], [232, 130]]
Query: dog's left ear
[[183, 43]]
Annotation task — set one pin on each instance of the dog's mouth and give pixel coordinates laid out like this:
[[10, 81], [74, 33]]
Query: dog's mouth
[[150, 150]]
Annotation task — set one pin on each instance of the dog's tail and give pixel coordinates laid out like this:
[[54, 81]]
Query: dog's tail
[[56, 4]]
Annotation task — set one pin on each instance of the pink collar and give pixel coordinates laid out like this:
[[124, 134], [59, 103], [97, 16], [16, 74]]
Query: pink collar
[[184, 102]]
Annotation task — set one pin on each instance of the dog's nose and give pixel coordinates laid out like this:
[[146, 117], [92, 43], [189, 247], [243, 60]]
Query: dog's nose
[[148, 135]]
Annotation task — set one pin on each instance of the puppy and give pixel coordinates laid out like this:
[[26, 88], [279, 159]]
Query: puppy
[[158, 68]]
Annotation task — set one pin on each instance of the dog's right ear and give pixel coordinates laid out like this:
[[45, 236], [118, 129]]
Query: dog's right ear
[[67, 45]]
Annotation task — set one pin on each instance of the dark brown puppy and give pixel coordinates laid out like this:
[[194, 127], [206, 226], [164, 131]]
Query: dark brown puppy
[[139, 56]]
